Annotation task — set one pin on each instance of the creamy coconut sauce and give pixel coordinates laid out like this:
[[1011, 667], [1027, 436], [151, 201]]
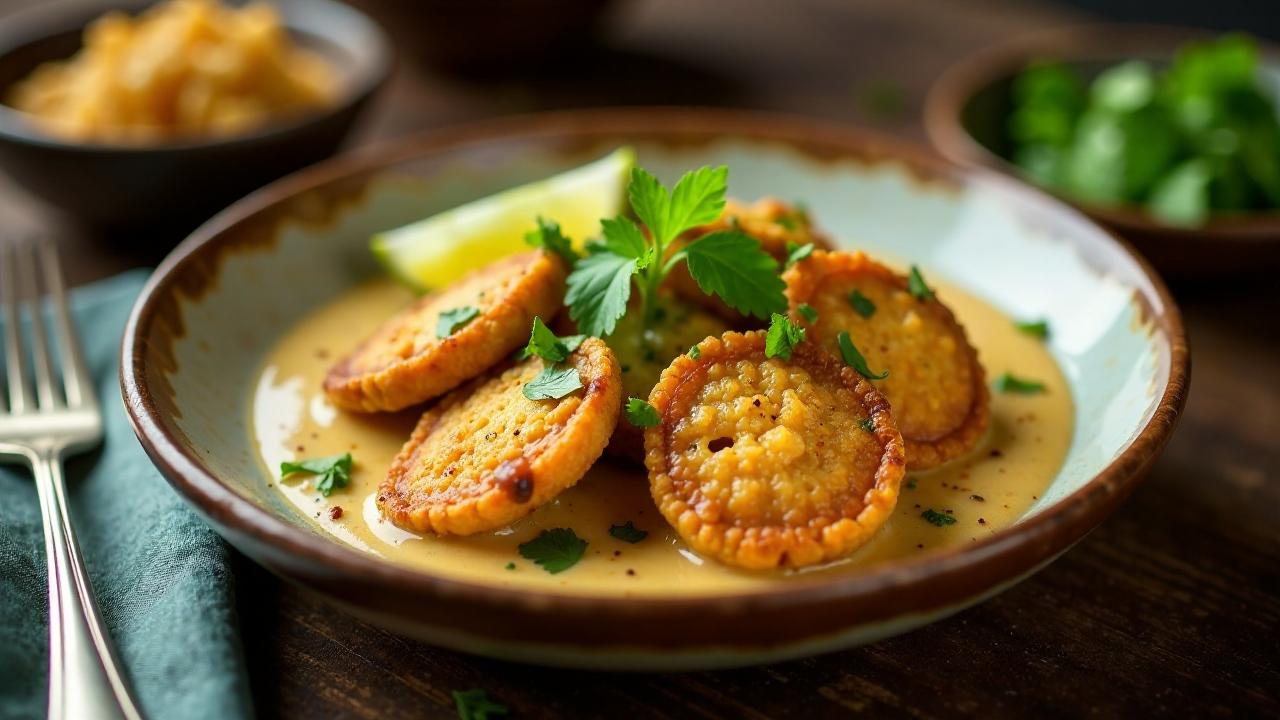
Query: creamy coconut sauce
[[984, 492]]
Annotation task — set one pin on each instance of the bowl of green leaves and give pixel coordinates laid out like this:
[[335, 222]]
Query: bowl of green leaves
[[1168, 136]]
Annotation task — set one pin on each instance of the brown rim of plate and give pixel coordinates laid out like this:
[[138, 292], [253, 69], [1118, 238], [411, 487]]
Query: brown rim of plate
[[1105, 42], [954, 574]]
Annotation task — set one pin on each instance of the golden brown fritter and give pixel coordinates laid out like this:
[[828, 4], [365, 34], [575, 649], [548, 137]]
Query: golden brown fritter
[[765, 463], [486, 455], [769, 220], [405, 362], [935, 383]]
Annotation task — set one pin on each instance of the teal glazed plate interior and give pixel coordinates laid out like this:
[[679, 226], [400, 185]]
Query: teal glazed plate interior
[[200, 333]]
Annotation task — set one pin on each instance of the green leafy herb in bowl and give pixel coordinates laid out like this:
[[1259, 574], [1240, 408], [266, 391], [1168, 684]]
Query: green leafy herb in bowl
[[1195, 139]]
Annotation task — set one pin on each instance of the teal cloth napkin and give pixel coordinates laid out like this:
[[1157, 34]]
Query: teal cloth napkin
[[161, 575]]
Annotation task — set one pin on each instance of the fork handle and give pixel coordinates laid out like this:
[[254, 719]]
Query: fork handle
[[85, 679]]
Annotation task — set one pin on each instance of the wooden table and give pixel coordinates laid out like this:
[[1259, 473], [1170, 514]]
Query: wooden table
[[1169, 608]]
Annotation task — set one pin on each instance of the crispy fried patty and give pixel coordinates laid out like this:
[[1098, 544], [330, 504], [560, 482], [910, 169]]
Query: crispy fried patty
[[486, 455], [935, 384], [406, 362], [762, 462]]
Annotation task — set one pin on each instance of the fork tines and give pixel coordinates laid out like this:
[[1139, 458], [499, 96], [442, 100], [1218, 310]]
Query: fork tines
[[29, 279]]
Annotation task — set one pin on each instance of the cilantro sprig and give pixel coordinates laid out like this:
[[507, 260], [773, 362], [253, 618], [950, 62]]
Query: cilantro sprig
[[628, 532], [556, 379], [450, 321], [556, 550], [641, 414], [726, 263], [547, 235], [331, 472], [782, 337], [854, 359], [475, 704], [1012, 384]]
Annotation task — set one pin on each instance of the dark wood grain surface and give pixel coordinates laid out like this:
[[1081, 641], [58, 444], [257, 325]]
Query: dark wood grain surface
[[1170, 608]]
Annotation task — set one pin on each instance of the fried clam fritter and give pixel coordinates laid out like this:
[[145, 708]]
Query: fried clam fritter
[[935, 383], [449, 336], [766, 463], [769, 220], [486, 455], [645, 353]]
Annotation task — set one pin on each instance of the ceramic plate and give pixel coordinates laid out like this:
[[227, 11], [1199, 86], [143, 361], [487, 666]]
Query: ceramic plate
[[202, 328]]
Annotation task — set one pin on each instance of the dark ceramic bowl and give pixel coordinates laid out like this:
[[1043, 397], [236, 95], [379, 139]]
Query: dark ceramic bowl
[[1126, 360], [966, 116], [175, 186]]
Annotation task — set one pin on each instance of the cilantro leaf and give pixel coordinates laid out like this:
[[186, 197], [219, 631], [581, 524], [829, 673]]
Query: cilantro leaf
[[694, 352], [331, 472], [807, 312], [450, 320], [697, 199], [1034, 328], [867, 424], [1009, 383], [556, 550], [623, 237], [547, 235], [916, 285], [628, 532], [862, 304], [797, 252], [734, 267], [782, 337], [599, 288], [476, 705], [553, 383], [641, 414], [545, 344], [854, 359], [933, 517], [649, 201]]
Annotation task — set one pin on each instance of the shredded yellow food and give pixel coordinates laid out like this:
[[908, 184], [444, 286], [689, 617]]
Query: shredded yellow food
[[182, 68]]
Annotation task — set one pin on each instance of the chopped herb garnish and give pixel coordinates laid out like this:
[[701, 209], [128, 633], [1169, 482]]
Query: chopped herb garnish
[[450, 320], [1009, 383], [641, 414], [854, 359], [556, 550], [916, 285], [476, 705], [553, 383], [911, 483], [862, 304], [867, 424], [933, 517], [807, 312], [545, 344], [1034, 328], [786, 221], [510, 566], [782, 337], [599, 289], [628, 532], [732, 266], [547, 235], [725, 263], [331, 472], [694, 352], [797, 252]]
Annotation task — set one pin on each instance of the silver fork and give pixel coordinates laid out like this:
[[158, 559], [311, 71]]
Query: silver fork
[[41, 428]]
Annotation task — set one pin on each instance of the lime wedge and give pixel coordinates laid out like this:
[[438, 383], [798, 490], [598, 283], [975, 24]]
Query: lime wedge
[[438, 250]]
